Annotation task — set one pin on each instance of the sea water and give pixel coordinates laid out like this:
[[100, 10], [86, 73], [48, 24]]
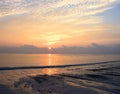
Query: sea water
[[18, 60], [100, 77]]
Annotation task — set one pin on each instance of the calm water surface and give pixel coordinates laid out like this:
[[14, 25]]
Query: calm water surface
[[105, 80], [9, 60]]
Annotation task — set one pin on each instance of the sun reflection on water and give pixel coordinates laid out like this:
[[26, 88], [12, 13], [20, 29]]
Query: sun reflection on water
[[50, 71], [49, 59]]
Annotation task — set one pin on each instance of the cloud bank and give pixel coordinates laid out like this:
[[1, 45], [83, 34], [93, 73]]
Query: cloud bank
[[93, 49]]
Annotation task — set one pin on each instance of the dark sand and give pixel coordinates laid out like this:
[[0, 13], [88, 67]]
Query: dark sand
[[5, 90]]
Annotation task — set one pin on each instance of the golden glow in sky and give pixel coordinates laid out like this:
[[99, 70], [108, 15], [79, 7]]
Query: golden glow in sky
[[52, 23]]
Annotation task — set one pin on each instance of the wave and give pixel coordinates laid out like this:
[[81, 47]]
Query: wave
[[55, 66]]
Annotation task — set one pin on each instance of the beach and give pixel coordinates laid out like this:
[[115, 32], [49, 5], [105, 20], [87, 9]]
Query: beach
[[88, 79]]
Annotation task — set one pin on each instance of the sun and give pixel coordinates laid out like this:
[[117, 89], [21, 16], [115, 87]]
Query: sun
[[49, 48]]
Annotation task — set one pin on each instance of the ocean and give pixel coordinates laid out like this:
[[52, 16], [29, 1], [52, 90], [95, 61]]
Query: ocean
[[60, 73], [17, 60]]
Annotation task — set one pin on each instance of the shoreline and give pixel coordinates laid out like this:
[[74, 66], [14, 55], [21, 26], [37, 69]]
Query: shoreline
[[95, 79], [56, 66]]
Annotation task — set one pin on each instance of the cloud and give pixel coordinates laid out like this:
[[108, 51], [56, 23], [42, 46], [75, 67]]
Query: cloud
[[59, 9], [93, 49]]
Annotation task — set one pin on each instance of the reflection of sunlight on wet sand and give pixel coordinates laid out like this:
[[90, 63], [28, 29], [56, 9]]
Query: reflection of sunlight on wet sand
[[49, 59], [50, 71]]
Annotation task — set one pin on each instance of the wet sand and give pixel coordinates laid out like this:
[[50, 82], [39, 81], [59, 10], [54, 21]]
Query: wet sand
[[5, 90], [95, 79]]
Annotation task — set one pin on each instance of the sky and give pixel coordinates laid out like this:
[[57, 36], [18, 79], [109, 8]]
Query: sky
[[53, 23]]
